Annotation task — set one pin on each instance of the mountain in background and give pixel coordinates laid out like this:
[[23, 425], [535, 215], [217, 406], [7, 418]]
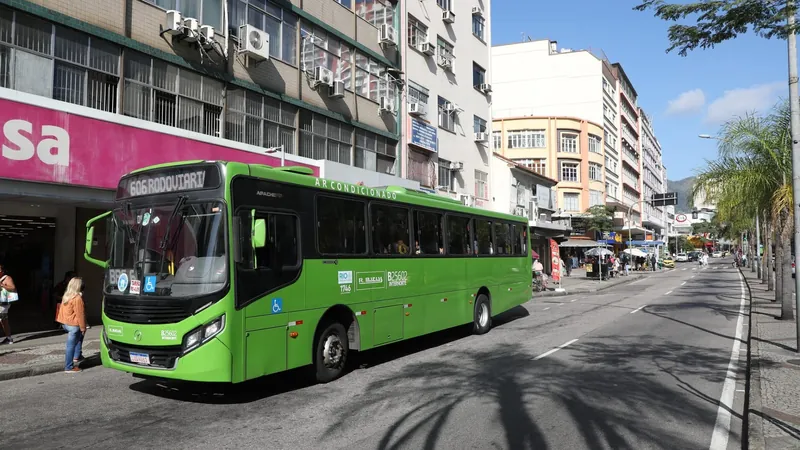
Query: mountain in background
[[684, 189]]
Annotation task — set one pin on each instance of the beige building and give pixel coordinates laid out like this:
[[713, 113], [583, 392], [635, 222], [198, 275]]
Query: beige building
[[566, 149]]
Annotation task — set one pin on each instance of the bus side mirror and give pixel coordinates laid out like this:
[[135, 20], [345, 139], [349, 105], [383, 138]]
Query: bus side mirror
[[259, 231], [87, 252]]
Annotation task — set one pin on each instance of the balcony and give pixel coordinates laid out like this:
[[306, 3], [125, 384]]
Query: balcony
[[629, 137], [631, 159], [630, 116], [630, 181]]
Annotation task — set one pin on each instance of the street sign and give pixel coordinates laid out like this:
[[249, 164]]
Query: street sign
[[665, 199]]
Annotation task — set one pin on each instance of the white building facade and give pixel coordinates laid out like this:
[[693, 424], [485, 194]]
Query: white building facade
[[446, 114]]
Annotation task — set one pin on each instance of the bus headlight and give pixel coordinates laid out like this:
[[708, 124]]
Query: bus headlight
[[203, 334]]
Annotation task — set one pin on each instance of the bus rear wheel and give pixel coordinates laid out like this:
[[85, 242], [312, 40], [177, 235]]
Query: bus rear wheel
[[330, 352], [482, 315]]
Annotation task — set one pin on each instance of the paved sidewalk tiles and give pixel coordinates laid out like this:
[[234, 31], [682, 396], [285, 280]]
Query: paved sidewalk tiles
[[41, 353]]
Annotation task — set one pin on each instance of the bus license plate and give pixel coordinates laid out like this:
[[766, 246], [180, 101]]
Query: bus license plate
[[140, 358]]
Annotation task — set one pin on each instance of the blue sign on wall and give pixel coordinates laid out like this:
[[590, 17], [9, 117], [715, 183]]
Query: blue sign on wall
[[423, 135]]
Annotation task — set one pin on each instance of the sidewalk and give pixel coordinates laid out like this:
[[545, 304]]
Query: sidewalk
[[43, 352], [577, 283], [774, 375]]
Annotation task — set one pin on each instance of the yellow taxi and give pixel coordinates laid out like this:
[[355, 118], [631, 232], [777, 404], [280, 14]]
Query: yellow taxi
[[668, 262]]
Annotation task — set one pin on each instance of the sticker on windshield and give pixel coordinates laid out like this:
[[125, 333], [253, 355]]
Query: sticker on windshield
[[156, 219], [136, 287], [146, 219], [122, 282], [138, 219]]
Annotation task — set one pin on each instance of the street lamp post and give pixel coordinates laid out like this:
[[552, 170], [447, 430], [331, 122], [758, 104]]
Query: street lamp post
[[279, 148], [630, 224]]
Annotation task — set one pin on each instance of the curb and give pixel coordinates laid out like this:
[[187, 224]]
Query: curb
[[43, 369], [753, 425], [585, 290]]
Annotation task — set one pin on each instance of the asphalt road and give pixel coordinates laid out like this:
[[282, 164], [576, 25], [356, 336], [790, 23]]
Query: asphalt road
[[639, 366]]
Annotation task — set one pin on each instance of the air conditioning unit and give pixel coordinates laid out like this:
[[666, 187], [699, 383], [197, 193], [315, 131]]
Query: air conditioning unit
[[449, 107], [206, 35], [191, 29], [467, 200], [457, 165], [520, 211], [253, 42], [482, 137], [446, 62], [337, 91], [386, 35], [322, 75], [477, 11], [417, 109], [174, 23], [387, 105], [428, 48], [448, 16], [485, 88]]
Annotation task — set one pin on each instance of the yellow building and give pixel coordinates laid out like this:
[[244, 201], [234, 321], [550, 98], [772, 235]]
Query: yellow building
[[566, 149]]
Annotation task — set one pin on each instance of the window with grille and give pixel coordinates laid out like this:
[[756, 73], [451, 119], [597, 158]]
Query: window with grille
[[569, 171], [478, 26], [372, 79], [595, 172], [417, 95], [445, 178], [595, 144], [526, 139], [173, 96], [446, 118], [481, 184], [417, 33], [257, 120], [376, 12], [569, 143], [267, 16], [319, 49], [444, 50], [374, 152], [324, 138], [537, 165], [208, 12], [572, 201]]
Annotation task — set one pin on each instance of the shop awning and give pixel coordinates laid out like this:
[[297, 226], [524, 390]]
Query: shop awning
[[579, 243]]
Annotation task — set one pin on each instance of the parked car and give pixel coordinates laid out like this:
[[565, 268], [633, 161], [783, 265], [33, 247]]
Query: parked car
[[682, 257], [716, 255]]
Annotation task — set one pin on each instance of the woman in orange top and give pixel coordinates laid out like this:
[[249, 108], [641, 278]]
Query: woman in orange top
[[72, 316]]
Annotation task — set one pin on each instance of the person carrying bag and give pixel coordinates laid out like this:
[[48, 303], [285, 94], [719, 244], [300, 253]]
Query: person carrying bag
[[8, 295]]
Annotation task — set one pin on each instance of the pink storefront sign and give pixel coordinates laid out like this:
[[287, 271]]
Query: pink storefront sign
[[40, 144]]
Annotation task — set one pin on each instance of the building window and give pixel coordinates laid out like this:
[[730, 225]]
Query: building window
[[609, 114], [257, 120], [537, 165], [444, 4], [526, 139], [595, 198], [481, 185], [595, 145], [346, 3], [421, 168], [595, 172], [446, 118], [445, 50], [374, 152], [208, 12], [497, 140], [612, 190], [417, 94], [572, 201], [478, 75], [478, 125], [610, 139], [376, 12], [324, 138], [417, 33], [170, 95], [445, 178], [569, 171], [569, 143], [611, 164], [372, 79], [478, 26], [318, 49], [264, 15]]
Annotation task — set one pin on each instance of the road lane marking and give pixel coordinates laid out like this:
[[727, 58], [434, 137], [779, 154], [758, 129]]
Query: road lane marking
[[722, 428], [638, 309], [668, 292], [560, 304], [694, 276], [550, 352], [546, 309], [683, 283], [573, 300], [684, 268]]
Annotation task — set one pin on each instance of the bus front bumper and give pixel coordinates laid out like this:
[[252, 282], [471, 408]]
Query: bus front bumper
[[211, 362]]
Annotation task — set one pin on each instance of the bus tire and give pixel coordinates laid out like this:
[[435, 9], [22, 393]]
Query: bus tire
[[482, 315], [330, 352]]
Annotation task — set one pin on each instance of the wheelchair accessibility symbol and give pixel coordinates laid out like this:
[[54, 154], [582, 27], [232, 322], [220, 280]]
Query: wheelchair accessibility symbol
[[277, 305], [150, 283]]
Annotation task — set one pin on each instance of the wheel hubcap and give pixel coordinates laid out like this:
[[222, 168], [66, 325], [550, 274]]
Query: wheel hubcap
[[332, 351], [483, 315]]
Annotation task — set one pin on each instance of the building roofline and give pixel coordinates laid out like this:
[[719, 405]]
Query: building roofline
[[624, 75], [524, 169], [502, 119]]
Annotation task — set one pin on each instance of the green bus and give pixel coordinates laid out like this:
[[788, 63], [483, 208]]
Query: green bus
[[225, 271]]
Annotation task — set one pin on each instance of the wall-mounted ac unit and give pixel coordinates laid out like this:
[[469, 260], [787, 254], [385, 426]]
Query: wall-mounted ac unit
[[457, 165], [482, 137], [449, 107], [191, 29], [477, 11], [174, 24], [448, 16], [253, 42], [386, 35], [467, 200], [417, 109], [322, 75], [207, 35], [446, 62], [386, 105], [337, 91], [520, 211], [485, 88], [428, 48]]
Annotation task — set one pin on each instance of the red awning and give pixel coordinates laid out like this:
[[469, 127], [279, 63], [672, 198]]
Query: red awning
[[535, 255]]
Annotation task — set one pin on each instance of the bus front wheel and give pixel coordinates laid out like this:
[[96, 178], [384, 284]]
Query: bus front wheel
[[330, 352], [482, 315]]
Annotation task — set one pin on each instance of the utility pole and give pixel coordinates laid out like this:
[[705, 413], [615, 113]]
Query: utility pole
[[794, 104], [757, 259]]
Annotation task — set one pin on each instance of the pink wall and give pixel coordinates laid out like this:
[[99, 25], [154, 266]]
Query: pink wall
[[39, 144]]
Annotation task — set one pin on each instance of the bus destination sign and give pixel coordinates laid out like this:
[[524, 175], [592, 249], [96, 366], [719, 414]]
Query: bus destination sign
[[165, 181]]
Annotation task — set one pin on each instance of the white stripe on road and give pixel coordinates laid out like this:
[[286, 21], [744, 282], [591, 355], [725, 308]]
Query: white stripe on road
[[573, 300], [722, 429], [684, 268], [546, 309], [683, 283], [548, 353], [560, 304], [668, 292], [694, 268], [638, 309]]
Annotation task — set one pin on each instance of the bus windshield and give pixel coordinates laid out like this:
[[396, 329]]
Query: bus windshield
[[168, 250]]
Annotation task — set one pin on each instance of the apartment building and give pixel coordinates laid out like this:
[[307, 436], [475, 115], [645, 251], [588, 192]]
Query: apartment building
[[92, 89], [446, 110], [653, 181]]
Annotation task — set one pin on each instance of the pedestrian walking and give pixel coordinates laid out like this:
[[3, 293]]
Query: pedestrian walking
[[8, 295], [72, 315]]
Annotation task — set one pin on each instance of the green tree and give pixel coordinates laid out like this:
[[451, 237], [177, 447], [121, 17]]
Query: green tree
[[599, 218], [719, 20], [685, 245]]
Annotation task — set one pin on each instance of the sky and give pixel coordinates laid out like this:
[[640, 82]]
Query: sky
[[684, 96]]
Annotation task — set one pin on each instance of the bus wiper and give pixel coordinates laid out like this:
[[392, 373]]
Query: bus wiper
[[178, 206]]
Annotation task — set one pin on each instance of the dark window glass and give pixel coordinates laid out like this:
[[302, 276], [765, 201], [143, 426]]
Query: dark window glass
[[501, 239], [390, 235], [483, 237], [458, 235], [430, 234], [516, 239], [341, 226]]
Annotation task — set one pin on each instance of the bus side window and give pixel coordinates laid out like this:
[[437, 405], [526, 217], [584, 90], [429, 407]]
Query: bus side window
[[483, 235], [430, 236], [516, 240], [502, 246], [458, 235], [390, 230]]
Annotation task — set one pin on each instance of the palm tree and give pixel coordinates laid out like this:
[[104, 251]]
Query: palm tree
[[752, 176]]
